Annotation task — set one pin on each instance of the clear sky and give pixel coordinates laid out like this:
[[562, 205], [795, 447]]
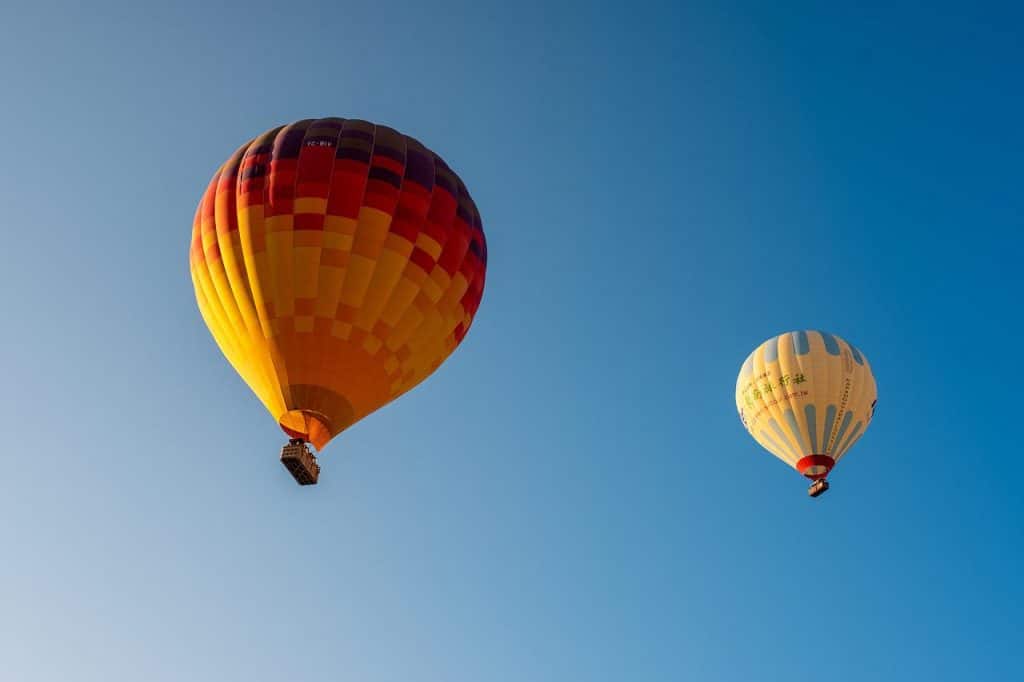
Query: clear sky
[[572, 496]]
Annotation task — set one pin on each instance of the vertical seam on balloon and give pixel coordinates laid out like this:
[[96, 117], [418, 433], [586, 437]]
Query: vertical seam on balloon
[[807, 366], [785, 360], [858, 358], [209, 307], [274, 360], [272, 274], [327, 203], [359, 211], [282, 279], [214, 241], [747, 368], [232, 206], [847, 418], [376, 276], [237, 276], [450, 302], [830, 419], [314, 402], [219, 330], [340, 285], [314, 266], [776, 410], [771, 348], [874, 393], [218, 274], [842, 401], [757, 397], [801, 380], [830, 342], [784, 438], [774, 447], [744, 376], [811, 413], [391, 217], [856, 391], [296, 402], [479, 273], [760, 368], [412, 338], [200, 277], [248, 252], [224, 344], [295, 191], [446, 330], [800, 341], [823, 369], [850, 440], [408, 265], [801, 437], [333, 428], [275, 367], [865, 389]]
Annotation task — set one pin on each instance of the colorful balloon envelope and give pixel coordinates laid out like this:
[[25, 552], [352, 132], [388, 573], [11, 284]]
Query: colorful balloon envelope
[[337, 264], [807, 397]]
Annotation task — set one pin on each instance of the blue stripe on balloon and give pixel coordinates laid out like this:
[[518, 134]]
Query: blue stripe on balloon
[[856, 355], [783, 437], [791, 420], [830, 417], [831, 345], [812, 427], [842, 430], [771, 350], [779, 448], [800, 342], [748, 368], [849, 439]]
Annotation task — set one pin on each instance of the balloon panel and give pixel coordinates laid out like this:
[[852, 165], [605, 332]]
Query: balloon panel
[[337, 264]]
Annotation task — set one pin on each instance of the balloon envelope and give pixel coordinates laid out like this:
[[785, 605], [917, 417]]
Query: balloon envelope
[[337, 263], [806, 397]]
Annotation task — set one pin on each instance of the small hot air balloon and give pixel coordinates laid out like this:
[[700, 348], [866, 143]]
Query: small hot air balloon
[[806, 397], [337, 264]]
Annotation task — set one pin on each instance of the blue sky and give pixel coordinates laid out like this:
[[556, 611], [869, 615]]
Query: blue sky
[[572, 497]]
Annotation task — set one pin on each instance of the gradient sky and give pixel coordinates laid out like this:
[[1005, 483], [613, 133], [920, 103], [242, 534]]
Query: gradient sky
[[572, 497]]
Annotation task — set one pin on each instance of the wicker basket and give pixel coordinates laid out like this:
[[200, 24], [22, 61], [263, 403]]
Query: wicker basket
[[300, 462]]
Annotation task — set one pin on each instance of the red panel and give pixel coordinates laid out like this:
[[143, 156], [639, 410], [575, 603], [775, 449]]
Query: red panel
[[309, 221], [809, 461]]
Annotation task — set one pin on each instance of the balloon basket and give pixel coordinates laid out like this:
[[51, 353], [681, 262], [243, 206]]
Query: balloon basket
[[818, 487], [300, 462]]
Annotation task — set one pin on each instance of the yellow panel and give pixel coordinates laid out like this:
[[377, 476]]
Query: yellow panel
[[429, 244], [306, 269], [385, 277], [357, 280], [279, 252], [310, 205]]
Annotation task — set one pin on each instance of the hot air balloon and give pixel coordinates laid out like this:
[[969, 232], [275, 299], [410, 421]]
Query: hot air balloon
[[337, 263], [807, 397]]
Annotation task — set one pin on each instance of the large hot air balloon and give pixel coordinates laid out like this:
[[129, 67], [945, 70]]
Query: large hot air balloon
[[337, 264], [806, 397]]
